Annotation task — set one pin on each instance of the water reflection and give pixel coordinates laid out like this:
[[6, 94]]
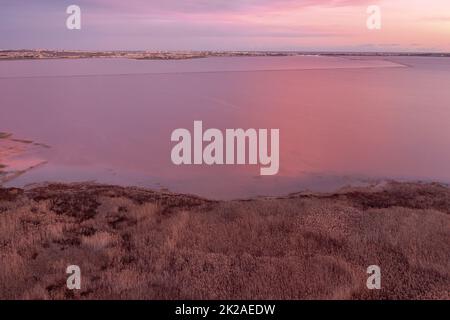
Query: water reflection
[[337, 125]]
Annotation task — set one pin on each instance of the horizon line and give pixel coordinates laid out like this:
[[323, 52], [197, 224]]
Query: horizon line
[[232, 50]]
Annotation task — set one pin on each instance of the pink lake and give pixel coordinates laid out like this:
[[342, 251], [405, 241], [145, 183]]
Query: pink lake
[[342, 121]]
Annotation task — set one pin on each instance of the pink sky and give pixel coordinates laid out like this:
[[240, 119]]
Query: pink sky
[[407, 25]]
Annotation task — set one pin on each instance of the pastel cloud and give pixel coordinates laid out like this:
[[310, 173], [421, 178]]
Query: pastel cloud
[[226, 24], [213, 6]]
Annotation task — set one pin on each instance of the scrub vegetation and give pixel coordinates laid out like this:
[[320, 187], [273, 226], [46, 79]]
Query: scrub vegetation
[[134, 243]]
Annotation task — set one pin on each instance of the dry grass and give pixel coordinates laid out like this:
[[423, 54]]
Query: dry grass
[[140, 244]]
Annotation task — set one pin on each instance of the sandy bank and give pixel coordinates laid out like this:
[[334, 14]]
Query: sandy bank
[[136, 243]]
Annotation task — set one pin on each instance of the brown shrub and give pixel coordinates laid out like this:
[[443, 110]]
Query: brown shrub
[[139, 244]]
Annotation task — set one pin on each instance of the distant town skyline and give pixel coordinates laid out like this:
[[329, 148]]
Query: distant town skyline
[[283, 25]]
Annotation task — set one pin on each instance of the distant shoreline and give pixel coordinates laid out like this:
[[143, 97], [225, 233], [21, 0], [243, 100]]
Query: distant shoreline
[[183, 55]]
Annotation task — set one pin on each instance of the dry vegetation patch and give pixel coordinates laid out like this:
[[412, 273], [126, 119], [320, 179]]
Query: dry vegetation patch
[[141, 244]]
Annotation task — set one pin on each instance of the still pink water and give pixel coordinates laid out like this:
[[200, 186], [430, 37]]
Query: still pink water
[[342, 120]]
